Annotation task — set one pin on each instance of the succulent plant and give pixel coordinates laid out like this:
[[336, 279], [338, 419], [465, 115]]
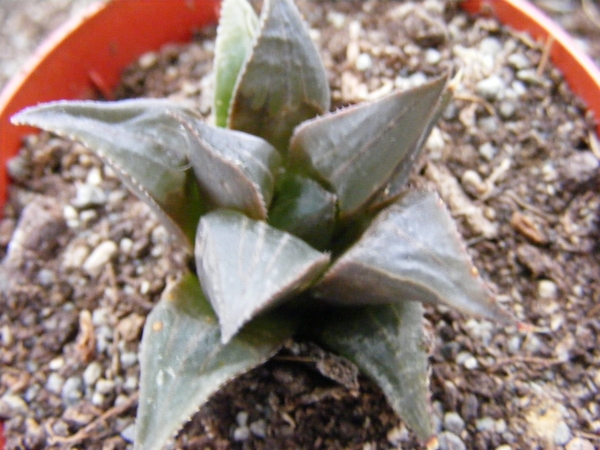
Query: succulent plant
[[298, 220]]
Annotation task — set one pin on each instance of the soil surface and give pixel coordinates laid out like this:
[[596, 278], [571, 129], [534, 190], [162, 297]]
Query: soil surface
[[515, 159]]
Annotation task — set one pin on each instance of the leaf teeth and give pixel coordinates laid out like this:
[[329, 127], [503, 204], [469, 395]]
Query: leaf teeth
[[283, 81], [183, 362], [247, 267], [356, 150], [411, 251]]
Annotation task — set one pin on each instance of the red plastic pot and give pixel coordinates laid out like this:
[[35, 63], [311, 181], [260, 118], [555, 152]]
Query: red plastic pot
[[87, 55]]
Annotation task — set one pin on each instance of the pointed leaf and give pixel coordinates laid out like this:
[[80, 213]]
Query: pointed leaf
[[238, 24], [141, 142], [303, 208], [411, 251], [396, 183], [386, 343], [355, 150], [233, 169], [183, 361], [246, 266], [283, 82]]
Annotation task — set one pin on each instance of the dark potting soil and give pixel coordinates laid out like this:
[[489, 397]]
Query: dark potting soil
[[514, 157]]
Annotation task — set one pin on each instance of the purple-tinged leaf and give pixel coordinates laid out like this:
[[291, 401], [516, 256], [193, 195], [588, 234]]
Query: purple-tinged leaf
[[183, 361], [283, 81], [356, 150], [141, 142], [233, 169], [387, 345], [246, 267], [411, 251]]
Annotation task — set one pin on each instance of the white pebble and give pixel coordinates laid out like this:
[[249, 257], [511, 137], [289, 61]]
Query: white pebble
[[518, 61], [128, 434], [259, 428], [56, 363], [562, 434], [432, 56], [128, 359], [241, 434], [99, 257], [54, 383], [547, 289], [92, 373], [336, 19], [488, 151], [485, 424], [15, 403], [363, 62], [104, 386], [87, 195], [94, 177], [71, 390], [490, 46], [491, 88]]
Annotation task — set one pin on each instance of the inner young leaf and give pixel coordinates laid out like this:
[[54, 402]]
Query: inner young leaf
[[246, 267], [283, 81]]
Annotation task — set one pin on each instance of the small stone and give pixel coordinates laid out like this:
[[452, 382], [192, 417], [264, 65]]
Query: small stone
[[259, 428], [450, 441], [363, 62], [432, 56], [16, 405], [562, 434], [7, 336], [75, 256], [88, 196], [485, 424], [504, 447], [490, 46], [98, 399], [128, 434], [54, 383], [579, 444], [397, 435], [491, 88], [92, 373], [128, 359], [56, 363], [72, 389], [147, 60], [547, 289], [46, 277], [241, 434], [453, 423], [336, 19], [241, 418], [507, 109], [99, 257], [519, 61], [500, 426], [104, 386], [131, 383], [488, 151]]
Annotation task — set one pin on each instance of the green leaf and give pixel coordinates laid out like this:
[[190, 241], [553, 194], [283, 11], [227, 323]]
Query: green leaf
[[397, 181], [238, 24], [411, 251], [246, 266], [386, 343], [283, 81], [303, 208], [183, 361], [233, 169], [356, 150], [141, 142]]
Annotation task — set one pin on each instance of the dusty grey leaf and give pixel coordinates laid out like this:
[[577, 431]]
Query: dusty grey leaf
[[238, 24], [386, 343], [233, 169], [356, 150], [246, 267], [283, 81], [183, 361], [411, 251], [141, 142]]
